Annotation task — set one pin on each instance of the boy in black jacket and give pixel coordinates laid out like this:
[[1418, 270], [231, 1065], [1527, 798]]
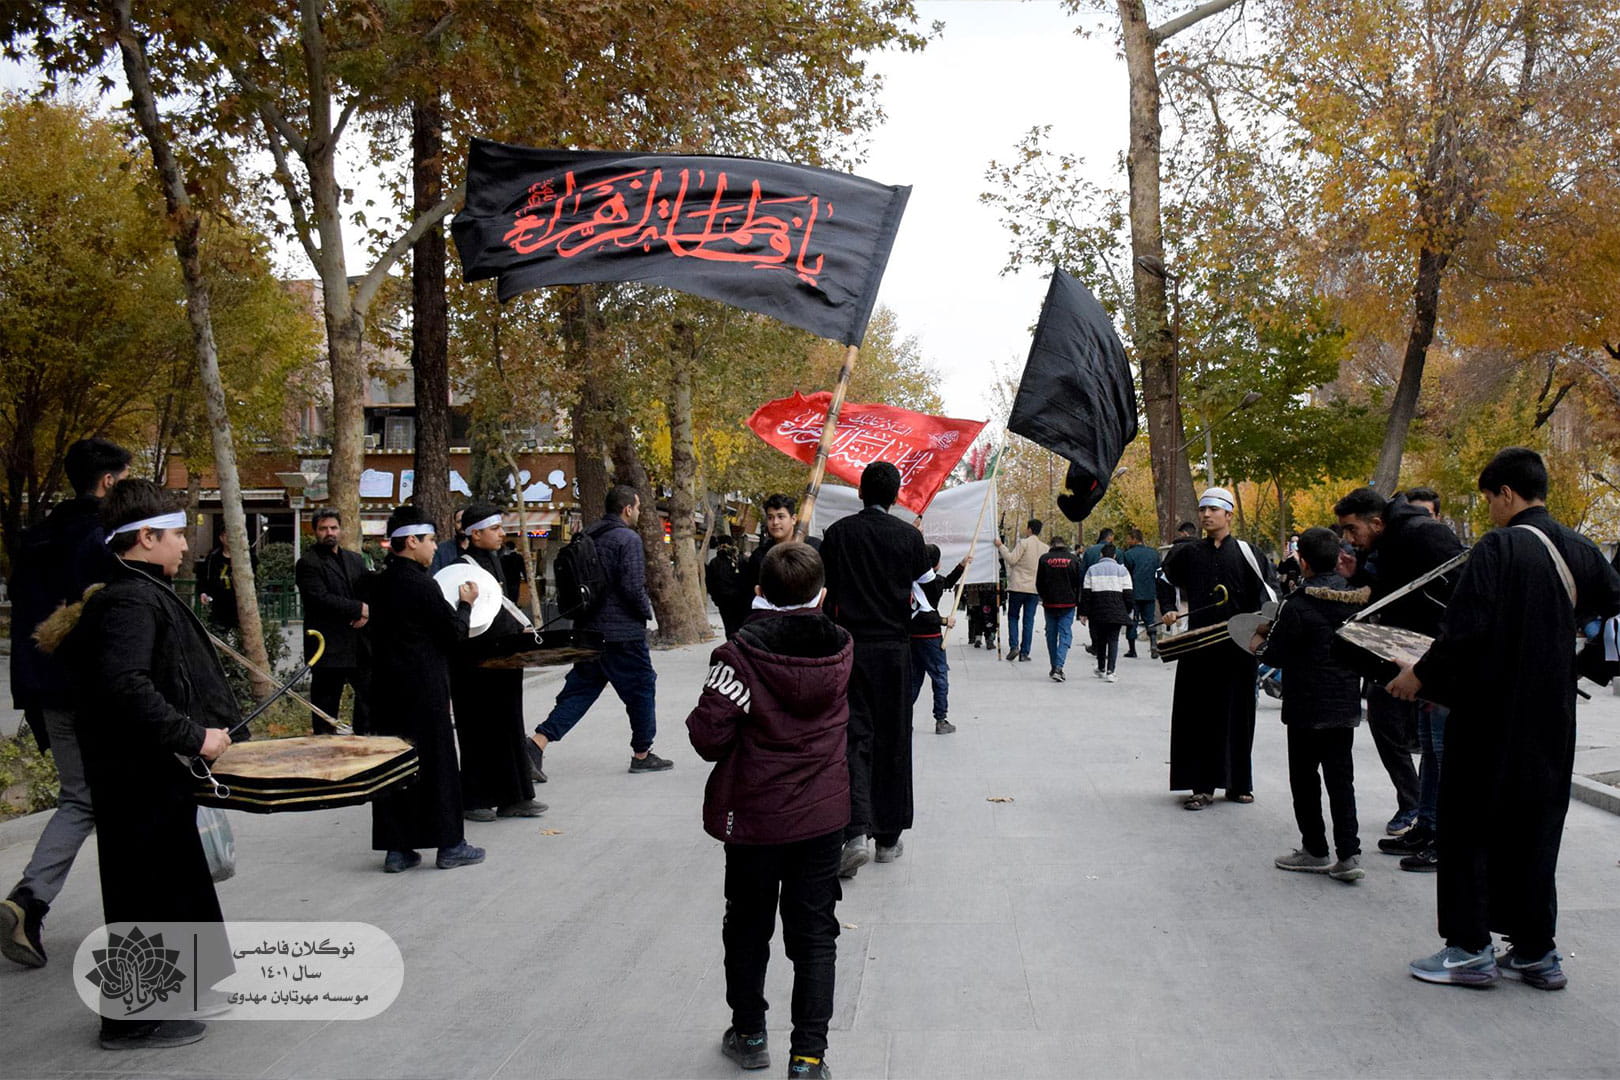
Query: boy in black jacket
[[928, 640], [1321, 708]]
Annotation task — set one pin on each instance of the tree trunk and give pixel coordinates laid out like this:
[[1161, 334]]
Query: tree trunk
[[688, 582], [430, 329], [1151, 332], [591, 418], [1282, 515], [187, 229], [678, 623], [1425, 312]]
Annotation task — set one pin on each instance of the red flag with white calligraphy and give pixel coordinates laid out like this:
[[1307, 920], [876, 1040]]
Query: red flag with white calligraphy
[[924, 448]]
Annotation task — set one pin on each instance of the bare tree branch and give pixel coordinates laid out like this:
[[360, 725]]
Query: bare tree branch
[[289, 186], [1197, 15], [267, 109], [396, 251]]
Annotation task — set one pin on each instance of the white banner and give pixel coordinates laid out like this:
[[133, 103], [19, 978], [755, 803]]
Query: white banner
[[949, 522]]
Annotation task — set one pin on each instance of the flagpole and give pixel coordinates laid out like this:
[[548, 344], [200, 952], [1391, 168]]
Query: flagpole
[[829, 430], [978, 526]]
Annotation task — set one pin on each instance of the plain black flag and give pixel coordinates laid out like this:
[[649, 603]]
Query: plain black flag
[[804, 245], [1076, 397]]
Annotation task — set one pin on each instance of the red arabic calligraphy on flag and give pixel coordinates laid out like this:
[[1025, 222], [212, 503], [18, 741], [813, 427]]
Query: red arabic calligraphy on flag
[[924, 448], [804, 245]]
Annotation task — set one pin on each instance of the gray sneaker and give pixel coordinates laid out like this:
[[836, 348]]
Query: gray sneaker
[[1457, 966], [889, 854], [1302, 860], [651, 763], [1347, 869], [856, 854], [1544, 973]]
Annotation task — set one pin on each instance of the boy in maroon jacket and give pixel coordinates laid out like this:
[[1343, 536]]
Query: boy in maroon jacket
[[772, 717]]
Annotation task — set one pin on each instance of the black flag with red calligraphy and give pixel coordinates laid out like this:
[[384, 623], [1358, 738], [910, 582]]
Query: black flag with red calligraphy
[[1076, 397], [804, 245]]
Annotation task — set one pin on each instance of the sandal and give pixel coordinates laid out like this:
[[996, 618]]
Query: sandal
[[1240, 797], [1197, 801]]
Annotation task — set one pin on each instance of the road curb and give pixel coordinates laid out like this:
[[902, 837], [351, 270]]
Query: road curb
[[23, 830], [1589, 791]]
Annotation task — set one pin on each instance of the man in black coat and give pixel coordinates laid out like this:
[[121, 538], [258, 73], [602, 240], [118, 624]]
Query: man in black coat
[[413, 633], [1400, 541], [331, 581], [1505, 663], [151, 693], [59, 558], [872, 559], [495, 780]]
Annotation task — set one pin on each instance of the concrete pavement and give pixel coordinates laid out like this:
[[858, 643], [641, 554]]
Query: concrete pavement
[[1089, 926]]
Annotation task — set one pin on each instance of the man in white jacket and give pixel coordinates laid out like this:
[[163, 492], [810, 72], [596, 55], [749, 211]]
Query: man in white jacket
[[1022, 560]]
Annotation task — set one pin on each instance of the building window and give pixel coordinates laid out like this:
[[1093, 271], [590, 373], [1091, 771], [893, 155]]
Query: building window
[[399, 433]]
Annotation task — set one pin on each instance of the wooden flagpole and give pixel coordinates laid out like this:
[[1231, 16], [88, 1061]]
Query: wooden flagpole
[[978, 526], [829, 431]]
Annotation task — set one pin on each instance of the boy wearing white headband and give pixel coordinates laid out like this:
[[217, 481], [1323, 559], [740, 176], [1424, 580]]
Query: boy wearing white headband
[[413, 633], [1212, 719]]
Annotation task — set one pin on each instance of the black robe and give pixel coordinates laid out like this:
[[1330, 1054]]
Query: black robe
[[489, 710], [149, 684], [1212, 718], [1505, 663], [872, 558], [413, 632]]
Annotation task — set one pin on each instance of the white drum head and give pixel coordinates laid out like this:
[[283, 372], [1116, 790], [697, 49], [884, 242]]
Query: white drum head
[[488, 604], [1242, 628]]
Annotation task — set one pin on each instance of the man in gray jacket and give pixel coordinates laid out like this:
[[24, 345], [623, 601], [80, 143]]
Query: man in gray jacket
[[622, 621]]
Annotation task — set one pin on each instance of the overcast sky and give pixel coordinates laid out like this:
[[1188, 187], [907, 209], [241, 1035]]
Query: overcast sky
[[999, 68]]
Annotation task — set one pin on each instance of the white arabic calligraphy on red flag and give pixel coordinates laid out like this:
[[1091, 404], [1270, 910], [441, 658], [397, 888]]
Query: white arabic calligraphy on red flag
[[924, 448]]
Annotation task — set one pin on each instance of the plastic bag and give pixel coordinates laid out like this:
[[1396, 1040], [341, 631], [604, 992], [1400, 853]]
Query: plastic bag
[[218, 842]]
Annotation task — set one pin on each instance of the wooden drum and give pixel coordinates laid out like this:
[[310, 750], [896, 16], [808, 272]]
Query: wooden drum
[[310, 772], [1173, 647]]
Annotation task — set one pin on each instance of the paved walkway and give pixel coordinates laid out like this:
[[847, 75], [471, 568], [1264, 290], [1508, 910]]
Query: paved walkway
[[1089, 927]]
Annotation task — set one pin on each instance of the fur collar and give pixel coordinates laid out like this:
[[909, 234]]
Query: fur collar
[[1353, 597], [50, 634]]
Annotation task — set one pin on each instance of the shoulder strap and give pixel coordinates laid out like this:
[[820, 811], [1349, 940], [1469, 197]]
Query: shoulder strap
[[1254, 564], [1558, 560]]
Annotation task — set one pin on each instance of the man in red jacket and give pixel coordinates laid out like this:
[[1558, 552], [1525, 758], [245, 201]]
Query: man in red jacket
[[773, 717]]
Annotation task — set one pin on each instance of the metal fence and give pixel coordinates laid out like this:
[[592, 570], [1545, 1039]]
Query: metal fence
[[278, 600]]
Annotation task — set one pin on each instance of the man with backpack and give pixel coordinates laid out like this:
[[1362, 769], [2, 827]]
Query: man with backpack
[[602, 586], [59, 558]]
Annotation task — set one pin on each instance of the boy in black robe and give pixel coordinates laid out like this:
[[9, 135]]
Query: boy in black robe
[[489, 704], [151, 692], [1505, 663], [1212, 718], [413, 633], [872, 558]]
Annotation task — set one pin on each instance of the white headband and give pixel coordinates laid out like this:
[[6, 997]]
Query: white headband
[[176, 520], [762, 604], [1219, 498], [412, 530], [488, 523]]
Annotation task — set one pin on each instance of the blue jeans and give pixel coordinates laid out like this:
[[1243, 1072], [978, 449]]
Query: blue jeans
[[1059, 634], [1432, 744], [928, 657], [627, 666], [1021, 604]]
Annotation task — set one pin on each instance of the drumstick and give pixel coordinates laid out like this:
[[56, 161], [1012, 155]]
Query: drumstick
[[343, 729], [285, 688]]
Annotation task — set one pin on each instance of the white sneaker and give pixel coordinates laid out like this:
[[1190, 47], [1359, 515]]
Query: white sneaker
[[1109, 677], [1096, 673]]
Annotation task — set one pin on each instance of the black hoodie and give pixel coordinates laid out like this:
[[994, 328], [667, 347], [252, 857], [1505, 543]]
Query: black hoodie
[[1413, 543]]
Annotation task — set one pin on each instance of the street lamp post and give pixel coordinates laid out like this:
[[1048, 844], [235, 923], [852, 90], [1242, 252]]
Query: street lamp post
[[1209, 434]]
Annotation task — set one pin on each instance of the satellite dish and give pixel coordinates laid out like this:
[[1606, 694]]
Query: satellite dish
[[488, 604]]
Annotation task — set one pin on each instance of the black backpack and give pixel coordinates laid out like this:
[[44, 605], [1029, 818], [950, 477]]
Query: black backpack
[[581, 582]]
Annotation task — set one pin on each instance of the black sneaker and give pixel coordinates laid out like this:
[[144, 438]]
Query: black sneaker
[[483, 813], [808, 1068], [537, 760], [651, 763], [21, 920], [397, 862], [943, 727], [748, 1051], [526, 808], [1023, 657], [463, 854], [1426, 861], [1012, 654], [153, 1036], [1410, 842]]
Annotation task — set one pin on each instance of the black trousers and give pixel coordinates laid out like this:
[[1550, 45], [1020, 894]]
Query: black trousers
[[801, 879], [1393, 724], [1105, 643], [1327, 749], [326, 693]]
